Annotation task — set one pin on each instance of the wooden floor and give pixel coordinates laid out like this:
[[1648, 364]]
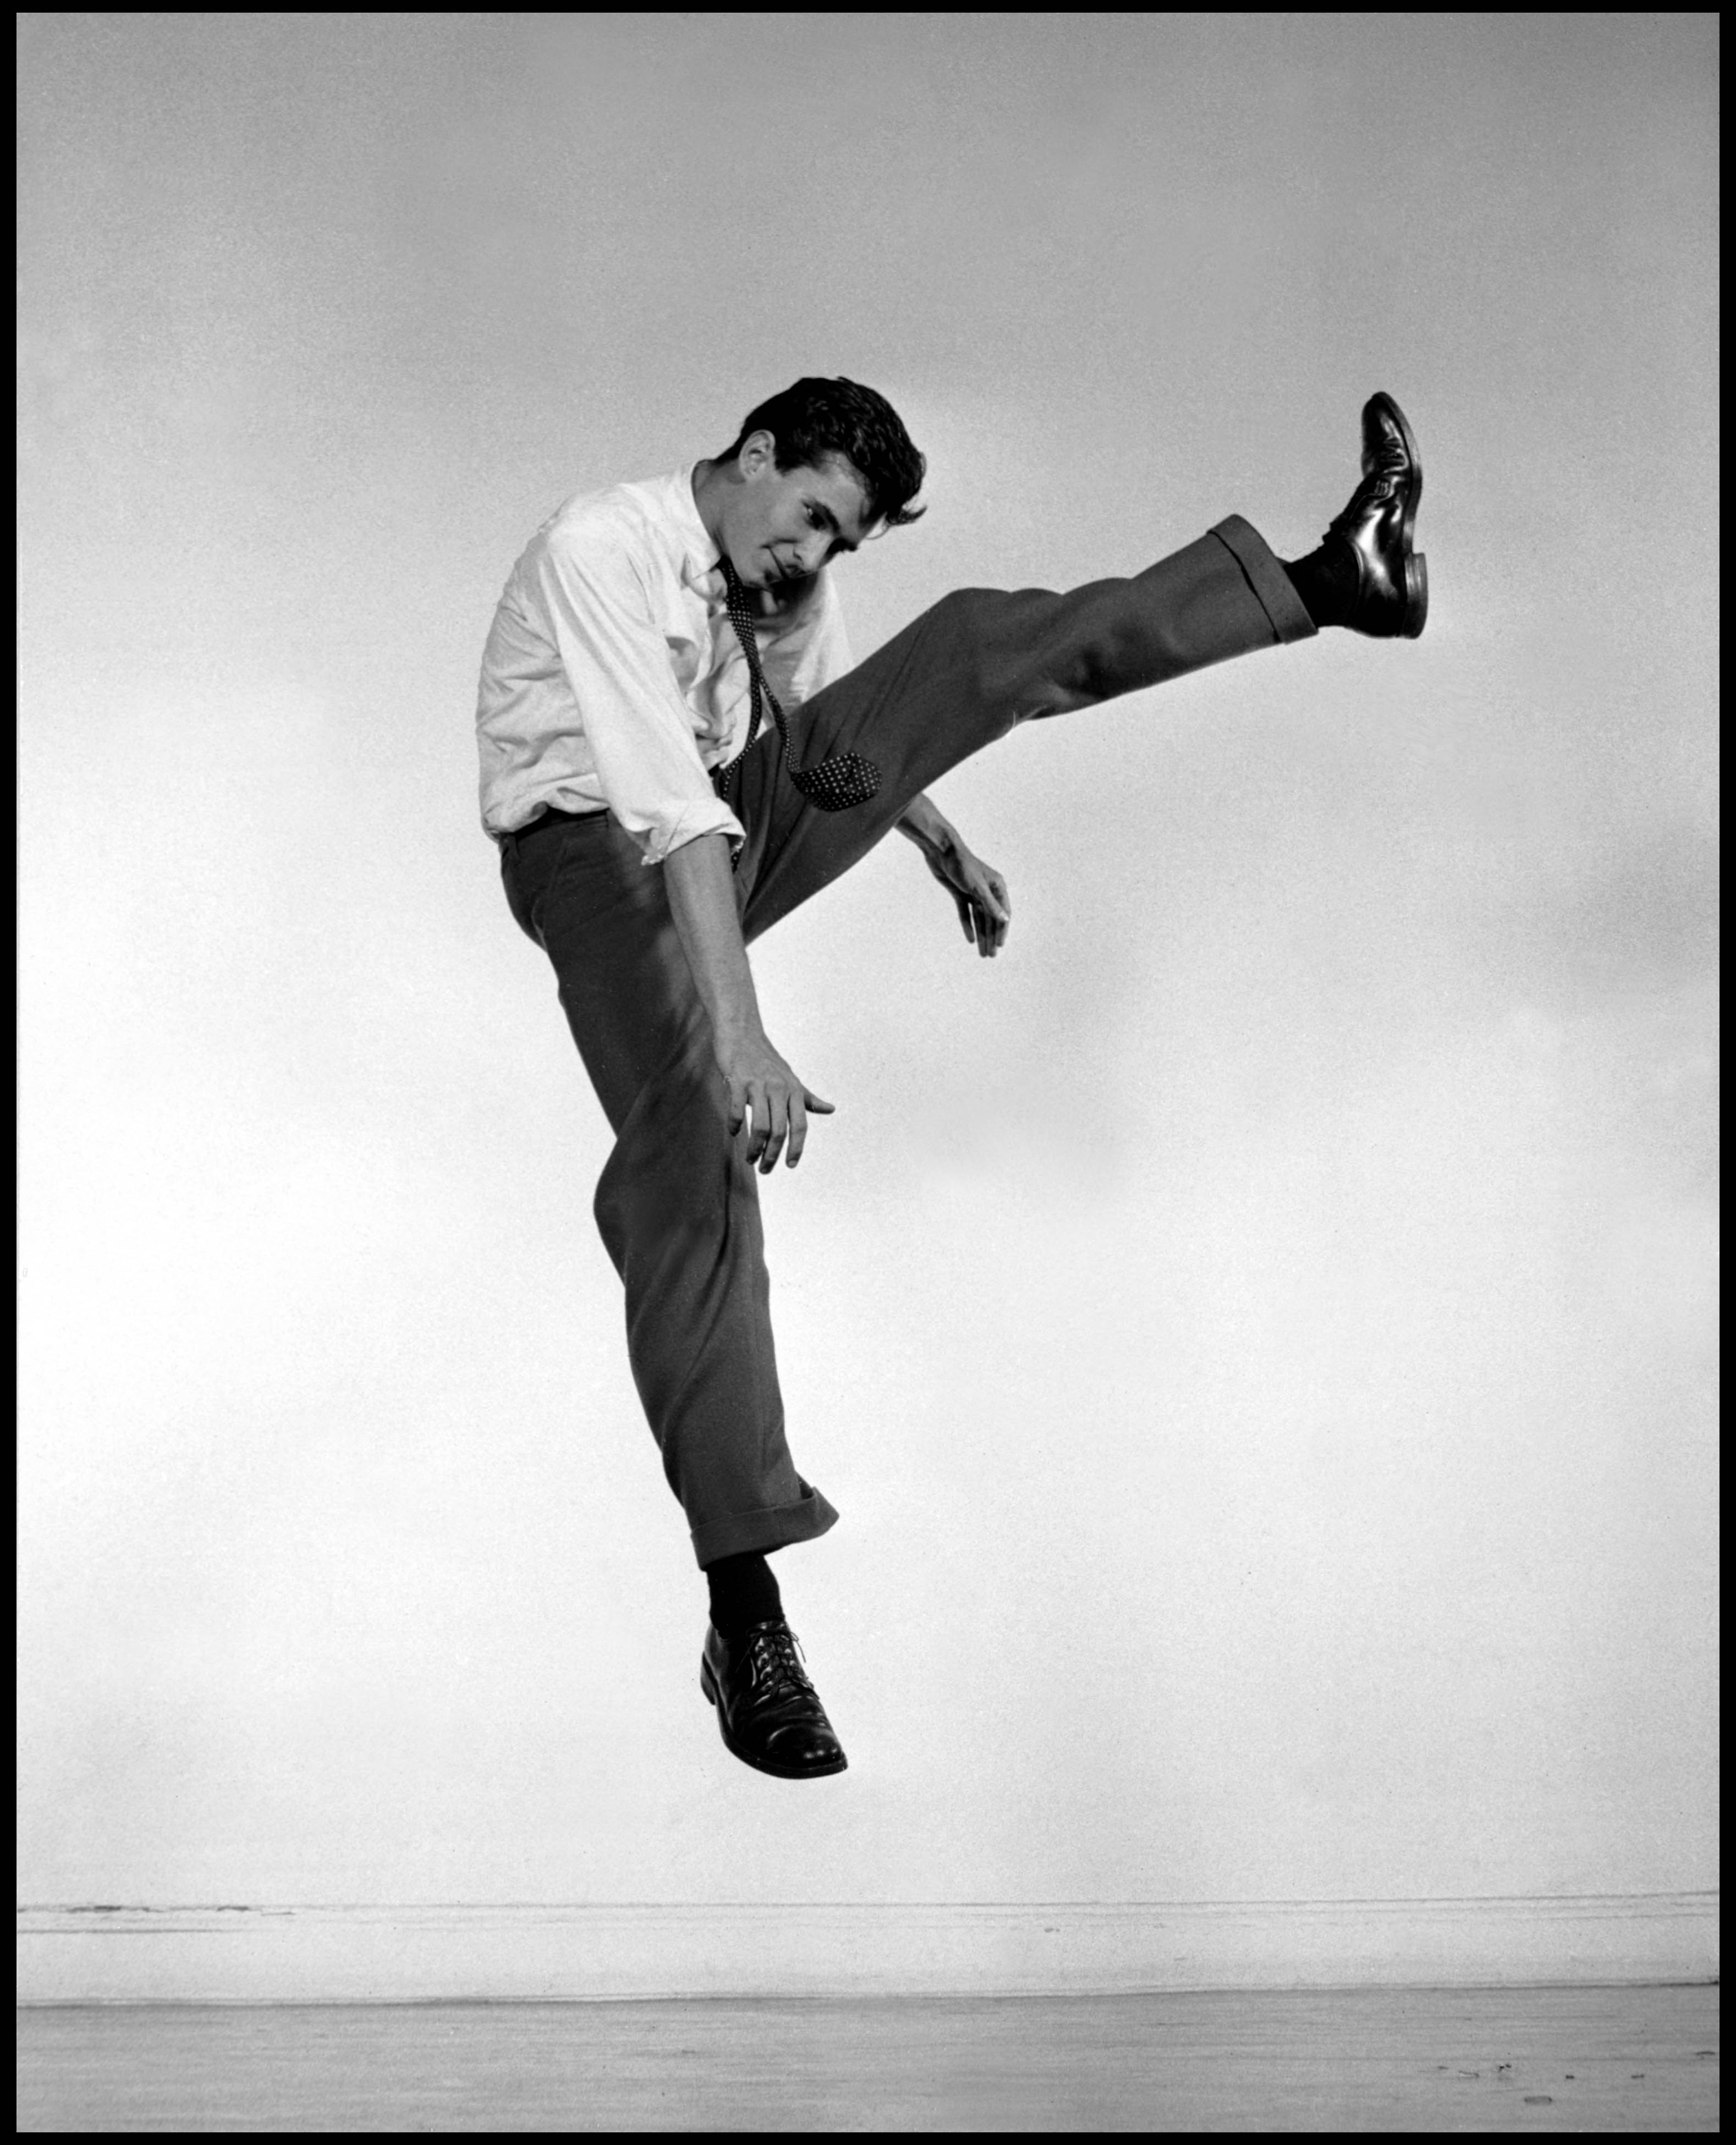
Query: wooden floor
[[1532, 2059]]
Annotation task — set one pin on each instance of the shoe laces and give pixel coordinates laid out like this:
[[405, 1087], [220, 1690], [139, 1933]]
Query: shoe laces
[[775, 1662]]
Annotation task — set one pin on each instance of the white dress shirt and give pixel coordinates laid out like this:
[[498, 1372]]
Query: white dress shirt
[[612, 679]]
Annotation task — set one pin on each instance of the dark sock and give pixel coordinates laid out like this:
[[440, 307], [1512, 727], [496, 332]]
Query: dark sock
[[742, 1592], [1327, 580]]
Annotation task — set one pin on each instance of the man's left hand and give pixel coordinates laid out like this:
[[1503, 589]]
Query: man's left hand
[[978, 892]]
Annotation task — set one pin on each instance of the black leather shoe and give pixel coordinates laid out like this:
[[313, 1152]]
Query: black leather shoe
[[1392, 596], [768, 1713]]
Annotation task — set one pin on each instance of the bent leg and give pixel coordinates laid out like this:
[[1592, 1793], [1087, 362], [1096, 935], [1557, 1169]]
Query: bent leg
[[983, 659], [678, 1205]]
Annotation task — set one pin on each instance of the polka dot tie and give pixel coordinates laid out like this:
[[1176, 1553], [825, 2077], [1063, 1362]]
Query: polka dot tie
[[834, 784]]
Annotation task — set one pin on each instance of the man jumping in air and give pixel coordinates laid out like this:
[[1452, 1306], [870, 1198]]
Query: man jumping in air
[[676, 751]]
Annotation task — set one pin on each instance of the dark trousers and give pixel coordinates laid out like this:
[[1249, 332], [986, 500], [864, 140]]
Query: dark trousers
[[678, 1204]]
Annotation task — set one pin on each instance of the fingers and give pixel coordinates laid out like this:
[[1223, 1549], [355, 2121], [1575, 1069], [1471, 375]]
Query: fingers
[[771, 1125], [775, 1111], [754, 1119], [991, 925], [764, 1124], [985, 910], [999, 905], [777, 1132], [800, 1103], [780, 1124]]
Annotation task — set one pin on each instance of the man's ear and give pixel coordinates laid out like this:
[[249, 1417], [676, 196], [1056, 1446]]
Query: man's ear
[[758, 452]]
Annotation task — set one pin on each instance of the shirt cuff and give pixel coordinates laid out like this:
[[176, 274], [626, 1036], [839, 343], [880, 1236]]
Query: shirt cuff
[[691, 821]]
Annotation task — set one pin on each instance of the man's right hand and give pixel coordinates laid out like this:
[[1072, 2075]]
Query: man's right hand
[[766, 1096]]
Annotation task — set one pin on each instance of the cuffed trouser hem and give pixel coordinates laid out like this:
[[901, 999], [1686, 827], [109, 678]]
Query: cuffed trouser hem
[[1267, 578], [774, 1528]]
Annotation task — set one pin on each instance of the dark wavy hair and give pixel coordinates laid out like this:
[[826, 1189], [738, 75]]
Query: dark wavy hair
[[817, 418]]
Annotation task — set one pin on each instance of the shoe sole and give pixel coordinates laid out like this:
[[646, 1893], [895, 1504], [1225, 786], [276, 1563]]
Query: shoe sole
[[708, 1684], [1416, 563]]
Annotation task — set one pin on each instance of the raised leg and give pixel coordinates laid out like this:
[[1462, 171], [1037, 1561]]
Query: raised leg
[[979, 662]]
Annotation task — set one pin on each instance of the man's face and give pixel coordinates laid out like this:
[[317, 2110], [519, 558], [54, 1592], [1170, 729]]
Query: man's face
[[783, 525]]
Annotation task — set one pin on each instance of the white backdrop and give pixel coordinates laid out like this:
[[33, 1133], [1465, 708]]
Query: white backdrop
[[1257, 1332]]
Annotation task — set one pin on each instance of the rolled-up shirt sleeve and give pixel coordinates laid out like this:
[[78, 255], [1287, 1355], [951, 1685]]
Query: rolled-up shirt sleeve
[[636, 722]]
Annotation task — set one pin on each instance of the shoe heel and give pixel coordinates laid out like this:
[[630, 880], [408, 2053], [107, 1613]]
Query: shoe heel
[[1416, 594], [707, 1684]]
